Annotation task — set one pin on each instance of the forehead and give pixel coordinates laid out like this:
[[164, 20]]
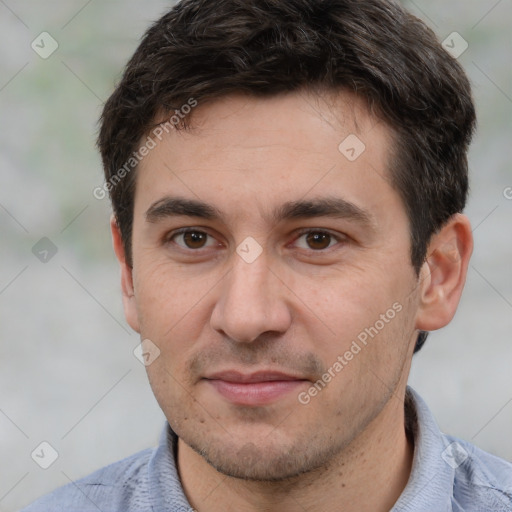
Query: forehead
[[246, 155]]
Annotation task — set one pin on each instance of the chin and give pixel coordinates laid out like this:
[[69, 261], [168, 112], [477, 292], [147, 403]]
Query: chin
[[269, 460]]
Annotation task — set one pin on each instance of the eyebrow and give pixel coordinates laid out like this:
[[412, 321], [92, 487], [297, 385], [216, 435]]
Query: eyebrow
[[334, 207]]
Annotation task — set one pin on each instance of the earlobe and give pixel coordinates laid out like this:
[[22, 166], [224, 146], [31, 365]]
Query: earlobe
[[443, 274], [129, 302]]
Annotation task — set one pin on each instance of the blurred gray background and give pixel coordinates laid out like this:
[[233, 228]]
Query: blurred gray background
[[68, 375]]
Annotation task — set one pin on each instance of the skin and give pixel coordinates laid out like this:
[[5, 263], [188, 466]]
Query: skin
[[295, 309]]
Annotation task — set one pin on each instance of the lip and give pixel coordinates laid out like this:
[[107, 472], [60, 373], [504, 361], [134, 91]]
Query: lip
[[260, 376], [254, 389]]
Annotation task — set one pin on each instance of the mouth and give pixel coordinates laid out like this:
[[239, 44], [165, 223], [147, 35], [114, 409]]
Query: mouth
[[254, 389]]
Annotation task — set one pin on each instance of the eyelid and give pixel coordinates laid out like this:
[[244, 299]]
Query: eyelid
[[339, 237], [168, 238]]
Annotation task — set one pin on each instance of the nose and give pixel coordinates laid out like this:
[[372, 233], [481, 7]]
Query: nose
[[252, 301]]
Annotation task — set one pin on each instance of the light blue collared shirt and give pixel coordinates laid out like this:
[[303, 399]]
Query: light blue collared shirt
[[448, 475]]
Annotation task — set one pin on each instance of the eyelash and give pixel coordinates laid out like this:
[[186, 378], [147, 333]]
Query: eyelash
[[300, 234]]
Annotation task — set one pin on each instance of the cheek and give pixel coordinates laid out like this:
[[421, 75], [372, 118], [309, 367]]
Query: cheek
[[166, 294], [351, 299], [365, 314], [174, 308]]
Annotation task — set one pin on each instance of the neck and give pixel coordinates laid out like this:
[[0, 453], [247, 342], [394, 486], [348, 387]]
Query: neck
[[368, 476]]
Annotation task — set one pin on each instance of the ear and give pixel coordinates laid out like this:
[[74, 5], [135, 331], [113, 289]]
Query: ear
[[129, 303], [443, 274]]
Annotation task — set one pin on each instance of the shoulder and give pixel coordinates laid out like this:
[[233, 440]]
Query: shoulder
[[121, 486], [482, 481]]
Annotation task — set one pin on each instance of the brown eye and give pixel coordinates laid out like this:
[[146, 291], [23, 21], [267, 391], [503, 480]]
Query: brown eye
[[194, 239], [318, 240], [190, 239]]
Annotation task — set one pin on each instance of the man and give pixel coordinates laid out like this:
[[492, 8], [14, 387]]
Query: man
[[287, 179]]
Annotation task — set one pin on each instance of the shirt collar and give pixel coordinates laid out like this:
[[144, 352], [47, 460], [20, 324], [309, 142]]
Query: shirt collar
[[430, 485], [165, 486]]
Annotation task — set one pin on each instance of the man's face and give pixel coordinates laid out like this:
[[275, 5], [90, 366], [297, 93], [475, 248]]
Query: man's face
[[256, 304]]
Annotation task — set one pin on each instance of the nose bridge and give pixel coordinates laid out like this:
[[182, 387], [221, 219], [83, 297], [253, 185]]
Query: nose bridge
[[251, 301], [250, 278]]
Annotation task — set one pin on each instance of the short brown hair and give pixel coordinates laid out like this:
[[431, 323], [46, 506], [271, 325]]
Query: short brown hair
[[205, 49]]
